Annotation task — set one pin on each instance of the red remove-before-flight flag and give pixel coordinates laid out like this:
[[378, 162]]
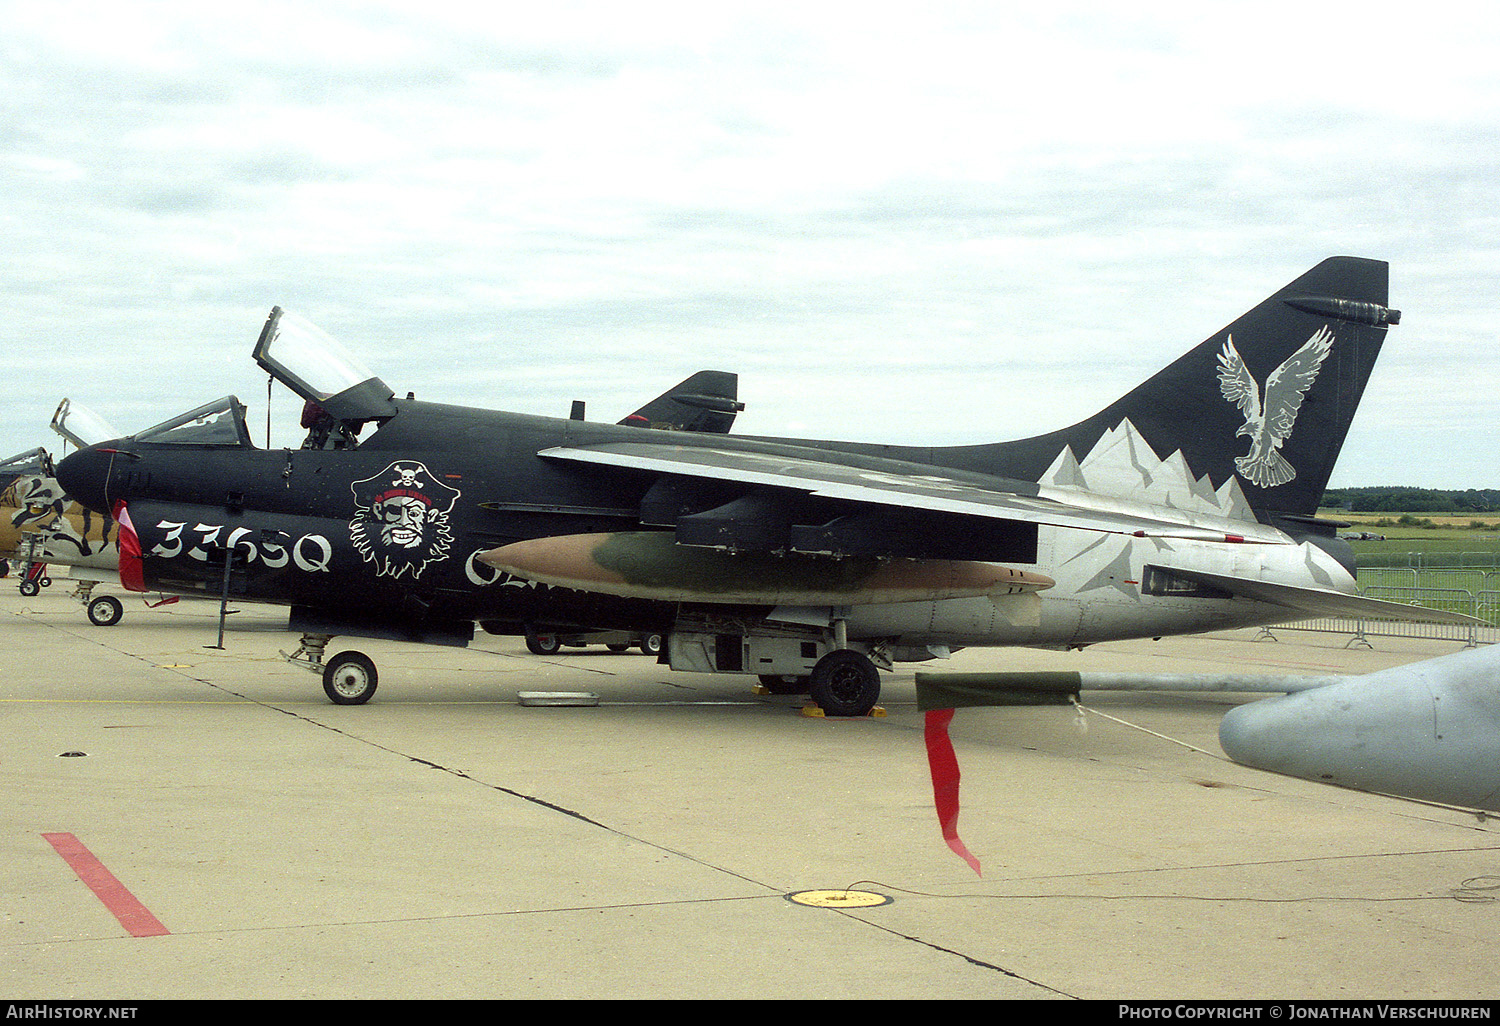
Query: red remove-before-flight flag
[[944, 766]]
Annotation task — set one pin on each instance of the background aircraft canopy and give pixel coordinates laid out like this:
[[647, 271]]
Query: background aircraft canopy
[[30, 462], [313, 364], [81, 425]]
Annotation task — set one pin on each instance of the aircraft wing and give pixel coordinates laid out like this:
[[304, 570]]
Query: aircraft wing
[[913, 487], [1322, 601]]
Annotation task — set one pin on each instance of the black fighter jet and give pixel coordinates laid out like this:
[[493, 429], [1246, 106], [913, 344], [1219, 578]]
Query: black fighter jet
[[1187, 505]]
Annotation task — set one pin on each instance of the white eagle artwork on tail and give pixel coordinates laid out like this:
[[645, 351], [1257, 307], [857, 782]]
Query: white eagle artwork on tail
[[1269, 421]]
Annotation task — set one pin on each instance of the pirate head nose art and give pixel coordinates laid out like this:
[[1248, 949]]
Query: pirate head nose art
[[401, 519]]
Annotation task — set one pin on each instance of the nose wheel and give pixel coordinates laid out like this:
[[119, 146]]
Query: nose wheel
[[105, 611], [349, 678]]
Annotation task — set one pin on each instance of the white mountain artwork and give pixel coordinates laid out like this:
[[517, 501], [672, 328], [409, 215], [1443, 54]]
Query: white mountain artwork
[[1122, 464]]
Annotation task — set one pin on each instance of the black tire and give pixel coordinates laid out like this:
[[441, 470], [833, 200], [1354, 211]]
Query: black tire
[[618, 648], [29, 588], [46, 582], [785, 684], [651, 644], [105, 611], [349, 678], [845, 683], [543, 644]]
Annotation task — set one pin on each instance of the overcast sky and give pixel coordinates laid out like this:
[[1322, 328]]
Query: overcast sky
[[927, 223]]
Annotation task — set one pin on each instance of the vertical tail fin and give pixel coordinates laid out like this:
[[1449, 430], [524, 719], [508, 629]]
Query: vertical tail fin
[[706, 402], [1266, 401]]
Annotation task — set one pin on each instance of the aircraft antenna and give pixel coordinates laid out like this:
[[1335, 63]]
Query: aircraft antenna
[[269, 378]]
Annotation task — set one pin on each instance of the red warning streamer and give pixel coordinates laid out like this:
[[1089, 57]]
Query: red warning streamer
[[134, 916], [944, 765], [132, 566]]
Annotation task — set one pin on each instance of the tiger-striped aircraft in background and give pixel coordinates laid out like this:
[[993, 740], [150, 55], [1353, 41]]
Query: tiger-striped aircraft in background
[[41, 525]]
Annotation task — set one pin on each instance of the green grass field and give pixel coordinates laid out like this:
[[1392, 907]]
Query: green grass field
[[1447, 562], [1416, 540]]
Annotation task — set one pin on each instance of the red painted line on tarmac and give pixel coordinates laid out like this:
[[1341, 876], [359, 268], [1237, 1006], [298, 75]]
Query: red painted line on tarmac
[[134, 916]]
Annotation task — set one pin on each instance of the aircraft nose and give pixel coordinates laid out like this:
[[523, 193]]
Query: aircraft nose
[[84, 475]]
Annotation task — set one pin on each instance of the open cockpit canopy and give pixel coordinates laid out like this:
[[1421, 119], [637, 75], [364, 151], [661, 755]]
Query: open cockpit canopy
[[81, 425], [314, 365]]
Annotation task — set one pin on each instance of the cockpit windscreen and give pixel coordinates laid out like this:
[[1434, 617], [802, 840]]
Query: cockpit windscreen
[[221, 422]]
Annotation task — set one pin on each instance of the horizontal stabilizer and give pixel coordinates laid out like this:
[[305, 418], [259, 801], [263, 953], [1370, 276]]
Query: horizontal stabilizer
[[1322, 601]]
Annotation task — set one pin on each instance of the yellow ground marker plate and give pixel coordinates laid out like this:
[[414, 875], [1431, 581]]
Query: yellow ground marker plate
[[838, 899]]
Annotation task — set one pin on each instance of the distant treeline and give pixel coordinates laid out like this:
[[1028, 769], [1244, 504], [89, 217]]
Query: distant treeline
[[1412, 500]]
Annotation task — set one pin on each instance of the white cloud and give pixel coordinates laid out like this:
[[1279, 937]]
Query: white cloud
[[915, 225]]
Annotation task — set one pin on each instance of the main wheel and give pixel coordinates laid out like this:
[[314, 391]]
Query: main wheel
[[845, 683], [349, 678], [651, 644], [29, 588], [543, 644], [105, 611]]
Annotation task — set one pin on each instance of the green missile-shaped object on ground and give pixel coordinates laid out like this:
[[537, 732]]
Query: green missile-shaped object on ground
[[651, 565]]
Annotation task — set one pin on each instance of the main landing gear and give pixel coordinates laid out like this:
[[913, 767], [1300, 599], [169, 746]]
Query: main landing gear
[[845, 683], [103, 611], [349, 678], [842, 683]]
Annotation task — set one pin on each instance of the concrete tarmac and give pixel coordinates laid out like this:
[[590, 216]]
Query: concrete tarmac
[[445, 841]]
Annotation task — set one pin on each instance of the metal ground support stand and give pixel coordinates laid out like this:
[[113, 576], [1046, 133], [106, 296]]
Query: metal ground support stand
[[34, 579], [1359, 638]]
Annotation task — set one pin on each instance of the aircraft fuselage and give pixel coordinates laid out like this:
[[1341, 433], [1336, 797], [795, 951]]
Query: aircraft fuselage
[[783, 558]]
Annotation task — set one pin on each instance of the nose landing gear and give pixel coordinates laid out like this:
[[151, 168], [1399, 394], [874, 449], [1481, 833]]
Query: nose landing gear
[[349, 678]]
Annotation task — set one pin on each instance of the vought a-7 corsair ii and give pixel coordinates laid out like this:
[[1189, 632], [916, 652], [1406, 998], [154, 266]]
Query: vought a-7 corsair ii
[[41, 526], [1188, 505]]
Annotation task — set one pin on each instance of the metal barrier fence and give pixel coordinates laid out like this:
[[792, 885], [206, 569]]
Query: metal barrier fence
[[1471, 579], [1430, 560], [1473, 592]]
